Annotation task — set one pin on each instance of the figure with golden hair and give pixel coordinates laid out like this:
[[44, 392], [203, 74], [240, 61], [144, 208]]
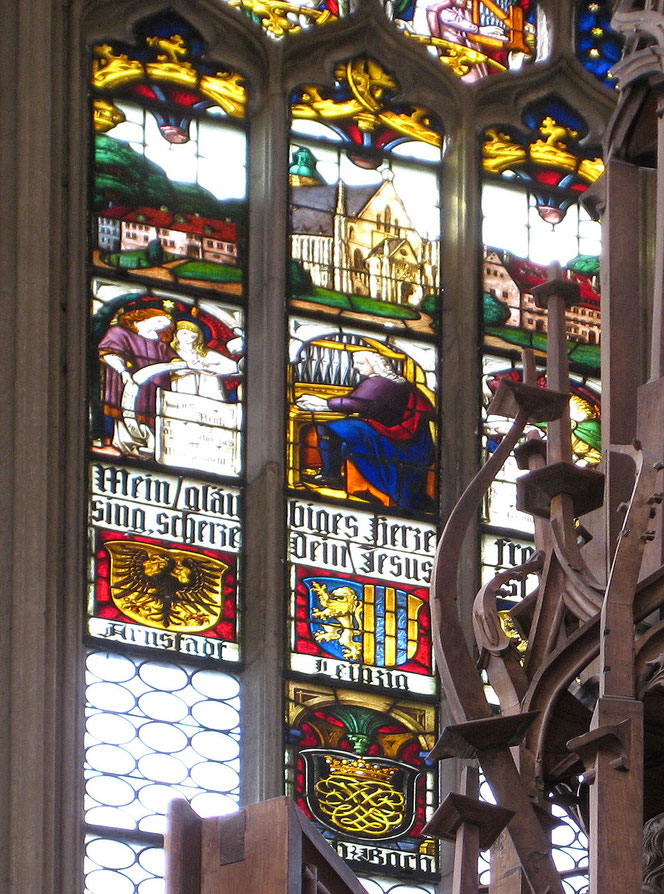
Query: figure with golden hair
[[205, 369]]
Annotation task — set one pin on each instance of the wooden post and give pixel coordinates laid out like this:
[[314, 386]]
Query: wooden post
[[613, 749], [555, 299], [467, 843], [622, 370], [657, 335], [182, 846], [473, 826]]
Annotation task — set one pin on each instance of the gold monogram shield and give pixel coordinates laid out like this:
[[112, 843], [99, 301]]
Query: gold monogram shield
[[370, 798], [172, 589]]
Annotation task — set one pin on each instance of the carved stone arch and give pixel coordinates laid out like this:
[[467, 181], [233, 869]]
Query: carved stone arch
[[631, 134], [561, 26], [505, 101], [310, 56], [229, 36]]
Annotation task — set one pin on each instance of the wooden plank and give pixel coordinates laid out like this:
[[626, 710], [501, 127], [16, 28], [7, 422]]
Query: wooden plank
[[657, 332], [182, 845], [265, 868], [266, 848]]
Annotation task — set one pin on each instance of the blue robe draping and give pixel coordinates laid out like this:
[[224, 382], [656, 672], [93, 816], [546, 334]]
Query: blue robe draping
[[396, 468]]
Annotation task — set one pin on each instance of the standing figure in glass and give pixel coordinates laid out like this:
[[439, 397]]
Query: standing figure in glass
[[205, 369], [135, 351]]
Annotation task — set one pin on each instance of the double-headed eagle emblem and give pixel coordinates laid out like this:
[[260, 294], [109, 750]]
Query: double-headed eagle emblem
[[173, 589]]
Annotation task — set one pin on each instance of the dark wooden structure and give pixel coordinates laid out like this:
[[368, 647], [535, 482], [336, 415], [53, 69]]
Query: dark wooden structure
[[581, 716], [267, 848]]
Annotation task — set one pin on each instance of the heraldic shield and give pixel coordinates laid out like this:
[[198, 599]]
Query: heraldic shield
[[363, 797], [173, 589], [364, 622]]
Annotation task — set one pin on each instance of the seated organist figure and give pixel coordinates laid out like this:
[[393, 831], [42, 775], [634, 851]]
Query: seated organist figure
[[387, 434]]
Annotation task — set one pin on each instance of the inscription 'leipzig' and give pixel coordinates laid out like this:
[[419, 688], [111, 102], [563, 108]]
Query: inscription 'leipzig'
[[361, 542]]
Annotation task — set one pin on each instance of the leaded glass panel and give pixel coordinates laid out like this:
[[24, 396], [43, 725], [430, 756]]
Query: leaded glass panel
[[363, 378], [123, 867], [365, 220], [362, 416], [279, 18], [166, 374], [167, 255], [389, 886], [357, 767], [473, 39], [156, 731], [360, 614], [598, 46]]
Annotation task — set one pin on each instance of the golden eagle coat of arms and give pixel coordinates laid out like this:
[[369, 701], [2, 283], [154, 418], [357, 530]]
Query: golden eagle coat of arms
[[173, 589]]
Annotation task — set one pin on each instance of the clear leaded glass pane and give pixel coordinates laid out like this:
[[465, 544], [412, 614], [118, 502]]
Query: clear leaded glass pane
[[378, 885], [154, 732], [124, 867]]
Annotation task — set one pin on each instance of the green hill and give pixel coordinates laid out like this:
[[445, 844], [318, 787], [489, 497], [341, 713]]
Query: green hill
[[125, 177]]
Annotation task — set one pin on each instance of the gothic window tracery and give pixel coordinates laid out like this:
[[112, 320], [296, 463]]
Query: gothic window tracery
[[377, 191]]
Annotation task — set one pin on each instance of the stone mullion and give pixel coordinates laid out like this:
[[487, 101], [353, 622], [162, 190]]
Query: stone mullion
[[460, 381], [37, 855], [264, 578]]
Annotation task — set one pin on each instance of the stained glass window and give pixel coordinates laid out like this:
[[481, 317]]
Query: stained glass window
[[531, 217], [598, 46], [365, 265], [472, 39], [373, 216], [278, 18], [167, 278], [357, 767]]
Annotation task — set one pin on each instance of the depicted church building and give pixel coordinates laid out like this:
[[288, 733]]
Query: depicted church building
[[360, 240]]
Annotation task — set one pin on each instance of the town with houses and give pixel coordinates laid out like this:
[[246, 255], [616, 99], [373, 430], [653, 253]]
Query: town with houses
[[184, 235], [511, 280]]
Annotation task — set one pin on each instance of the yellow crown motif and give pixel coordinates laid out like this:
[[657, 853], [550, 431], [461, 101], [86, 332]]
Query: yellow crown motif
[[357, 767]]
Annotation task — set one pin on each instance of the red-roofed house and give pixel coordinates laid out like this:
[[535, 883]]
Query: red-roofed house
[[511, 280], [185, 235]]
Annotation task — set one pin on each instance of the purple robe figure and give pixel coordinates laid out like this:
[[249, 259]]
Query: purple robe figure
[[140, 339]]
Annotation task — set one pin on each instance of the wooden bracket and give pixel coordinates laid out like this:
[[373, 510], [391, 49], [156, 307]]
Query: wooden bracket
[[612, 739], [542, 404], [566, 289], [465, 740], [524, 452], [535, 490], [458, 809]]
